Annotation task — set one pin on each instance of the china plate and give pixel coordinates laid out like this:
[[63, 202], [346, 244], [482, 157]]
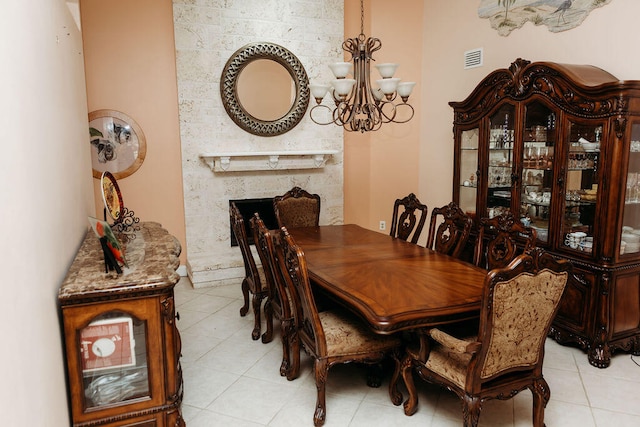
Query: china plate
[[111, 195]]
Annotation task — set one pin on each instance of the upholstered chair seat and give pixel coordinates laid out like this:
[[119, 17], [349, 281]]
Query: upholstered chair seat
[[346, 335]]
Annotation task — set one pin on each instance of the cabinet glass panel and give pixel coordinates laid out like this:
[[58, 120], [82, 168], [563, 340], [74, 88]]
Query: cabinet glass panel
[[537, 168], [468, 170], [114, 359], [501, 139], [581, 187], [630, 239]]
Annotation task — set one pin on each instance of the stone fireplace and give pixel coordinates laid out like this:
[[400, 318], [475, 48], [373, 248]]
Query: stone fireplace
[[207, 33]]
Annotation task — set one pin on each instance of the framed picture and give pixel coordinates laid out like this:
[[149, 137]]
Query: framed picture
[[117, 143], [108, 344]]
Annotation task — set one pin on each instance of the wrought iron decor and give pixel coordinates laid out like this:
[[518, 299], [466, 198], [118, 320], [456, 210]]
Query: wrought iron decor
[[229, 81], [558, 15]]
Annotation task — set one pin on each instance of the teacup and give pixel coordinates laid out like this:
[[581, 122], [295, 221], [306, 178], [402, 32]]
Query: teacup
[[573, 240]]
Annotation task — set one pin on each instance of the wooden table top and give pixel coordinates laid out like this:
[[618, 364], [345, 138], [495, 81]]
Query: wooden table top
[[392, 284]]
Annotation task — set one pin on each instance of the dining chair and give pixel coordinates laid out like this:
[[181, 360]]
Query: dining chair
[[449, 230], [498, 241], [278, 304], [297, 208], [331, 336], [252, 282], [404, 223], [519, 303]]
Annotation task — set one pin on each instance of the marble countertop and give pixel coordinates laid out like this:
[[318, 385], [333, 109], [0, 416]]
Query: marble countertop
[[152, 258]]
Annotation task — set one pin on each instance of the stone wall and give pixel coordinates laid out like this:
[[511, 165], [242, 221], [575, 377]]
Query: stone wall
[[207, 33]]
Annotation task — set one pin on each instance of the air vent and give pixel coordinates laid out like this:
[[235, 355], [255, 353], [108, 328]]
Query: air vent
[[473, 58]]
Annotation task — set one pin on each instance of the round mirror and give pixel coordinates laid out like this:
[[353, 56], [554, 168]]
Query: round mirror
[[264, 89], [266, 102]]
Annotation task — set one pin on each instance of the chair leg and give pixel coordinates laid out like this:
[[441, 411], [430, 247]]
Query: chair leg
[[285, 366], [321, 370], [411, 404], [394, 393], [257, 302], [268, 317], [374, 375], [471, 407], [541, 396], [245, 295], [293, 344]]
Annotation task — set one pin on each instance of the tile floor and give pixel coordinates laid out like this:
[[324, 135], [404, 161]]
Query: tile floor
[[231, 380]]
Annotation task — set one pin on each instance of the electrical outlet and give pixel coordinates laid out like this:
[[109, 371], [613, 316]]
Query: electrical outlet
[[383, 225]]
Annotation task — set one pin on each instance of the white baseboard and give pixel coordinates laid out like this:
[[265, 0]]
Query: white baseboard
[[182, 271]]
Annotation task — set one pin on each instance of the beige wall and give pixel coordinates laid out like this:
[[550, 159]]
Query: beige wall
[[46, 195], [605, 39], [130, 65], [383, 166]]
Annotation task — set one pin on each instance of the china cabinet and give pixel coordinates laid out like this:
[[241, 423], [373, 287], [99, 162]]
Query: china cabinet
[[559, 146], [121, 339]]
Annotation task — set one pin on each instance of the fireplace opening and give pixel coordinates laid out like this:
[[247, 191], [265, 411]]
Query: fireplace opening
[[247, 208]]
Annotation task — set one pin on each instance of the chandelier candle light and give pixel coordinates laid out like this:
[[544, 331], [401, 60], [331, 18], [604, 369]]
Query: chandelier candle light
[[358, 105]]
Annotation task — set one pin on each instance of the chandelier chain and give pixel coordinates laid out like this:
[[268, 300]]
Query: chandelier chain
[[362, 19]]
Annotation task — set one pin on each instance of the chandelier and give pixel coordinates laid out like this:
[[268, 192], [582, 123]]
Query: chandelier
[[358, 105]]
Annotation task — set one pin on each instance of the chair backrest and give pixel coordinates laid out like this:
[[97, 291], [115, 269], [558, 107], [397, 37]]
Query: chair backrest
[[250, 268], [518, 306], [404, 223], [451, 234], [293, 264], [498, 238], [266, 251], [297, 208]]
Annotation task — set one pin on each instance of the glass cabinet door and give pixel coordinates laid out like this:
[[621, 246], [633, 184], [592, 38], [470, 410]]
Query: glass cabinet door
[[468, 171], [630, 237], [537, 168], [501, 142], [581, 187], [114, 360]]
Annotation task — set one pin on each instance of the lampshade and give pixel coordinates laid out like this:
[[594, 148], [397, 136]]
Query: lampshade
[[319, 91], [343, 86], [387, 70], [405, 88], [388, 86], [341, 69]]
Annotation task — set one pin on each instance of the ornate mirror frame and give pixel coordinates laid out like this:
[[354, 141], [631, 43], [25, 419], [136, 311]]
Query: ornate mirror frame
[[229, 81]]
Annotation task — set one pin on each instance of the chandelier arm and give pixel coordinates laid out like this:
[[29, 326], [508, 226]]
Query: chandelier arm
[[386, 117], [331, 122], [397, 107]]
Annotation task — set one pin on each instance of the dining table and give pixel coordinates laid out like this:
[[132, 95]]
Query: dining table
[[391, 284]]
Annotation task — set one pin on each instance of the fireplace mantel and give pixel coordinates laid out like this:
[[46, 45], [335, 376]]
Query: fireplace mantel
[[267, 160]]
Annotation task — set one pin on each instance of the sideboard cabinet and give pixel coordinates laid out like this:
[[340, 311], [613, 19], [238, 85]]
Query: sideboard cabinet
[[121, 340], [559, 146]]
